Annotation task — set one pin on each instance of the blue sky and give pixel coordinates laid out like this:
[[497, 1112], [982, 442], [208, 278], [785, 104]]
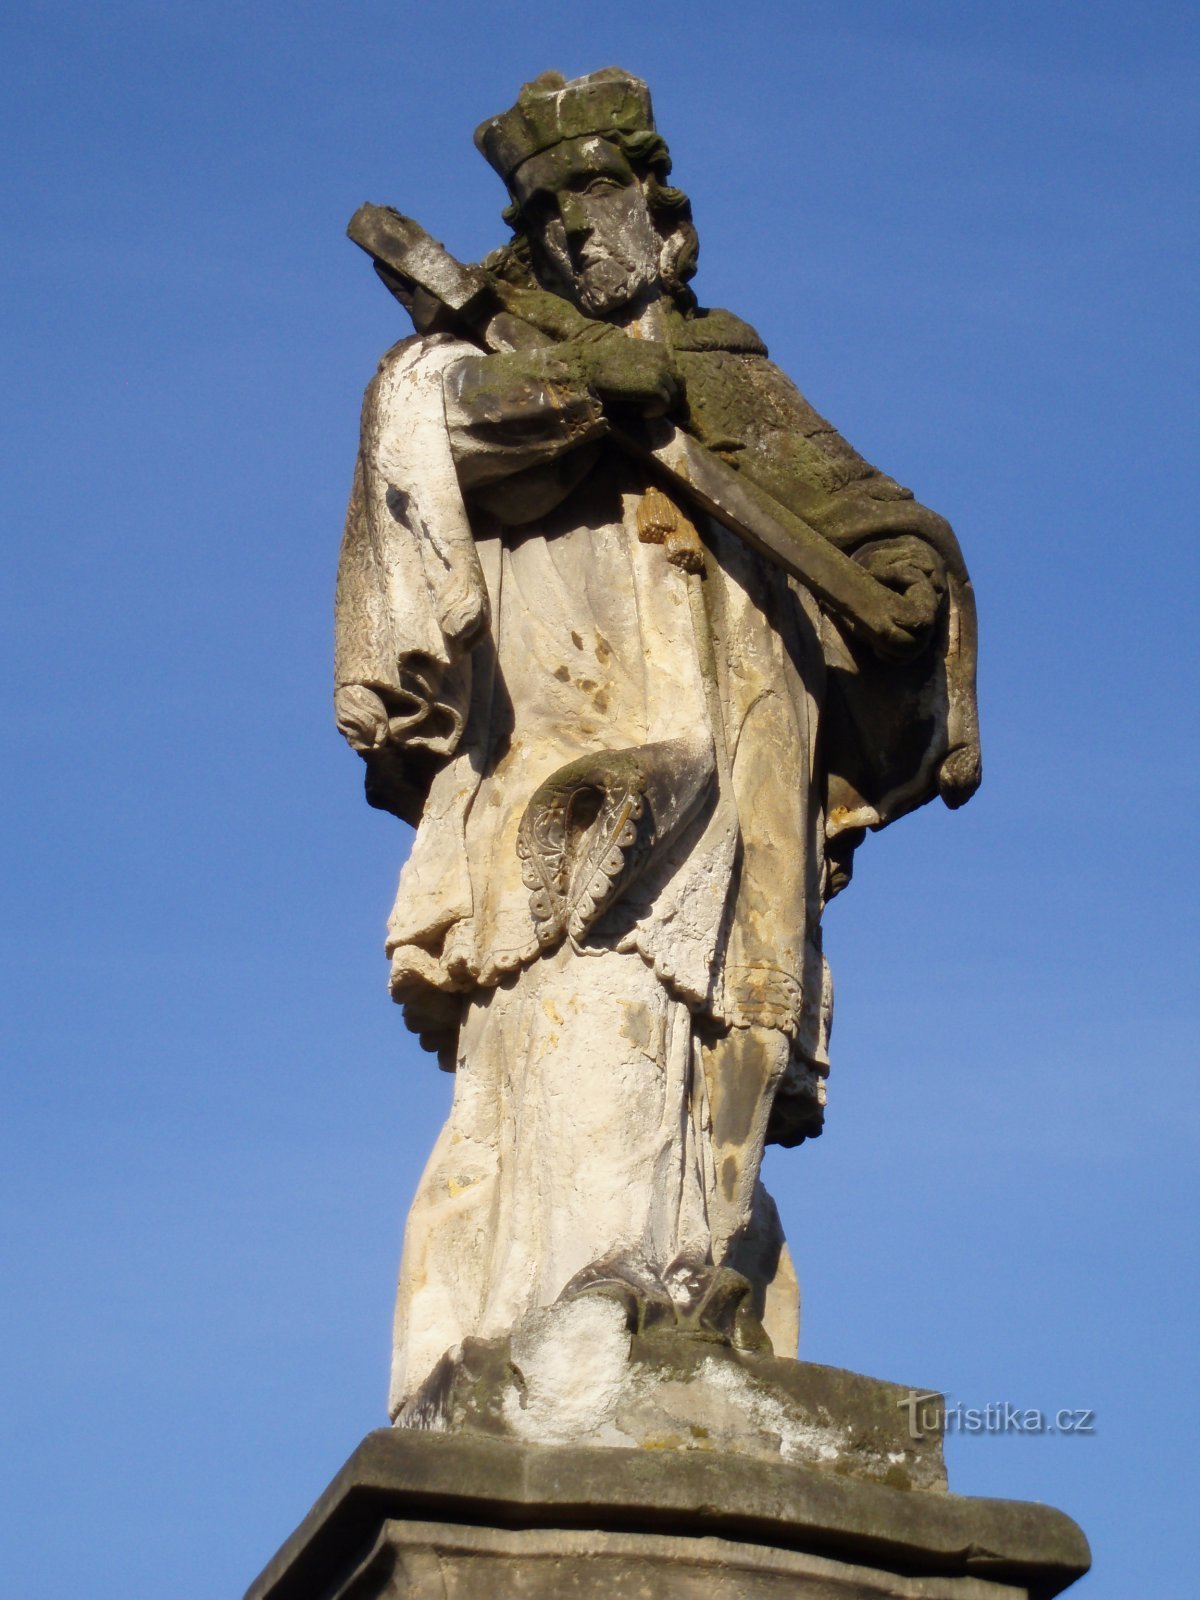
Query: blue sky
[[968, 232]]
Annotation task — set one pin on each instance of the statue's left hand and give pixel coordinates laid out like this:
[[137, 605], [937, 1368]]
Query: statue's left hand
[[916, 572]]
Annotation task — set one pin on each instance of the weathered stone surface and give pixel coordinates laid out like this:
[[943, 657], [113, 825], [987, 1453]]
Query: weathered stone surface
[[575, 1374], [642, 647], [431, 1561], [427, 1516]]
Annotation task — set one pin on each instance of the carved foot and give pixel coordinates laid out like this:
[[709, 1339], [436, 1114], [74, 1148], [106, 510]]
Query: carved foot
[[692, 1299]]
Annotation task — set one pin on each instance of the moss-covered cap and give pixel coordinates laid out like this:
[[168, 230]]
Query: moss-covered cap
[[551, 109]]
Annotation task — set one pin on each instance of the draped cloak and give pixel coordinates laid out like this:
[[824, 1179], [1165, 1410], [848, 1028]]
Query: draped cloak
[[603, 749]]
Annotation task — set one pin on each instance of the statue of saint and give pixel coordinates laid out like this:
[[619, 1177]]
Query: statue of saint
[[638, 753]]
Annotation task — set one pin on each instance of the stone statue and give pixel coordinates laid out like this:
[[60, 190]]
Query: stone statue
[[639, 740], [641, 648]]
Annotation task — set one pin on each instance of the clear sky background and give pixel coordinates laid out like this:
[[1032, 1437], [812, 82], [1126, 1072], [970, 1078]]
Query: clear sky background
[[967, 231]]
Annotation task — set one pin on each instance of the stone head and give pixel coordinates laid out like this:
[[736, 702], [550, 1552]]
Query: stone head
[[585, 167]]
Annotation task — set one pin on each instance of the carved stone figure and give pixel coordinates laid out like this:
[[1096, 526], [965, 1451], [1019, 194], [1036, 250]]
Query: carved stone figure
[[639, 733]]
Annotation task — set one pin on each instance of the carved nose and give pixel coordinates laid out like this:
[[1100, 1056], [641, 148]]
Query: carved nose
[[574, 217]]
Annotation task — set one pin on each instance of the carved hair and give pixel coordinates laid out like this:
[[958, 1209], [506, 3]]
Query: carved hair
[[670, 212]]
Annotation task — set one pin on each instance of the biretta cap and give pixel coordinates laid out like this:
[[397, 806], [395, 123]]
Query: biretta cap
[[551, 109]]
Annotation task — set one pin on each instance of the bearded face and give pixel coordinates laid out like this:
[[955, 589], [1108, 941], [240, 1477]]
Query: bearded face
[[592, 237]]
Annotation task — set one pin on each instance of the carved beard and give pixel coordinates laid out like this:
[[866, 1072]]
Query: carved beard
[[612, 278], [615, 264]]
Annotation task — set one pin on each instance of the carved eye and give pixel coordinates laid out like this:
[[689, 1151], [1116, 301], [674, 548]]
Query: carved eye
[[538, 210], [600, 182]]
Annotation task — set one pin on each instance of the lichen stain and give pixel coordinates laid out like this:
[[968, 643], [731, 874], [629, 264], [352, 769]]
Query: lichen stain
[[742, 1071], [729, 1176], [637, 1023]]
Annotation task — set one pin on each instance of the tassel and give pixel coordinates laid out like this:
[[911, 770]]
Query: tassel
[[660, 521]]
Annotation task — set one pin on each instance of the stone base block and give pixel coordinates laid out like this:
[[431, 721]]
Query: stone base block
[[571, 1374], [416, 1516]]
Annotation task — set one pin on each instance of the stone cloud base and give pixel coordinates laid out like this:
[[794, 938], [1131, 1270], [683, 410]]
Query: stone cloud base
[[420, 1516]]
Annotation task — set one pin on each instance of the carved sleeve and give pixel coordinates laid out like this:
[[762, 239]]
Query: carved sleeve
[[509, 413]]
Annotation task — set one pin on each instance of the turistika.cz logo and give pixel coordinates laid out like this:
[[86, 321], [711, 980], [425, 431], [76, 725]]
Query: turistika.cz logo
[[931, 1414]]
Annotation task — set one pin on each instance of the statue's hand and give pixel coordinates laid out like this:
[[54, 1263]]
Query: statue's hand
[[916, 574], [626, 371], [361, 717], [618, 368]]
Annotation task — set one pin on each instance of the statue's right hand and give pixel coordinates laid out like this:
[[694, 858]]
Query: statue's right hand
[[626, 371], [361, 717]]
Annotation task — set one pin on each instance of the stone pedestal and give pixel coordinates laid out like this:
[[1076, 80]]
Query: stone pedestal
[[421, 1516], [573, 1374]]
